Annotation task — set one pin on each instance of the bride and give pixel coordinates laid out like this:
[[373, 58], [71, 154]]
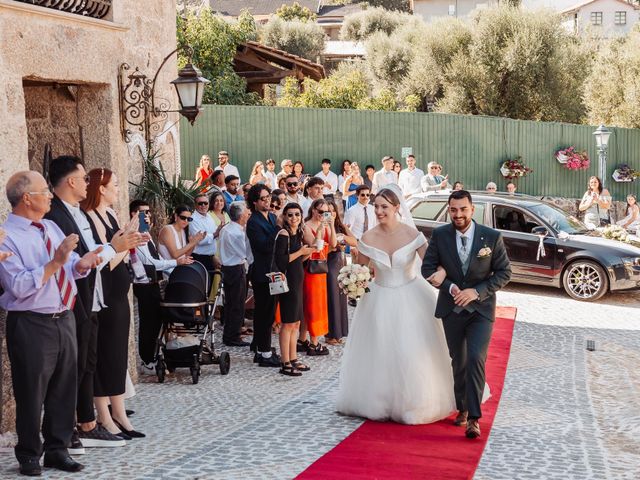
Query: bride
[[396, 364]]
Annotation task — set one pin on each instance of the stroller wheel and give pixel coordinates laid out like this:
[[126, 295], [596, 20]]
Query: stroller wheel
[[160, 366], [195, 374], [225, 362]]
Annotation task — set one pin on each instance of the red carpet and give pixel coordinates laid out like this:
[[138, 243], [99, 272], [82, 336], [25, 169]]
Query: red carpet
[[437, 451]]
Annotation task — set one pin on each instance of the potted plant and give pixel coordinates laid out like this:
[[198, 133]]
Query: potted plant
[[572, 159], [624, 173], [514, 168]]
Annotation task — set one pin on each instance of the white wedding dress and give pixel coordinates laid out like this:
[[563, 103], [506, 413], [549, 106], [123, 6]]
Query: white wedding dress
[[396, 363]]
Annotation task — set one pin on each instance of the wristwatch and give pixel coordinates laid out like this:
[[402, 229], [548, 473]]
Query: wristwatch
[[477, 295]]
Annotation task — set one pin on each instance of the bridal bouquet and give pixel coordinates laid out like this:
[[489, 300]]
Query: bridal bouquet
[[354, 280]]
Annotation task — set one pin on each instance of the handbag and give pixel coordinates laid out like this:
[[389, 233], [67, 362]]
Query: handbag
[[318, 265], [277, 280]]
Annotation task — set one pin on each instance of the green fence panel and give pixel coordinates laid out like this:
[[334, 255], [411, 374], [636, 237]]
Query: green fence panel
[[471, 148]]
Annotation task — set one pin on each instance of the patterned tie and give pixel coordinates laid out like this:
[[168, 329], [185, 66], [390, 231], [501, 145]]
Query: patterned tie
[[64, 283], [366, 219], [464, 254]]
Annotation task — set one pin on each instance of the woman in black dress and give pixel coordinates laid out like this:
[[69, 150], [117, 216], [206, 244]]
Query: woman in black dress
[[114, 317], [338, 315], [289, 253]]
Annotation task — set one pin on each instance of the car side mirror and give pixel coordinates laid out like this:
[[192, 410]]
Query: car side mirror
[[541, 231]]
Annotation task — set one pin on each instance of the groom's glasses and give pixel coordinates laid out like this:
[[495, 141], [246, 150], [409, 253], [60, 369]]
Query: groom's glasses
[[365, 195]]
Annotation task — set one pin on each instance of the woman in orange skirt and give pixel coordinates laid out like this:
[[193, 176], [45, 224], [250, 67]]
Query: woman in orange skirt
[[319, 232]]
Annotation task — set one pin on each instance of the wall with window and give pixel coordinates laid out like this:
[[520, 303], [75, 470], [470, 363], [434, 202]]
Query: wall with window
[[431, 9], [607, 18]]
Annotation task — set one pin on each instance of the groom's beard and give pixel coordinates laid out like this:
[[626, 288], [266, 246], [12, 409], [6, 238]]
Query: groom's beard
[[459, 227]]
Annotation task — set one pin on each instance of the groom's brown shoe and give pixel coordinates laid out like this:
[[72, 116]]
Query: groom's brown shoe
[[473, 429], [461, 419]]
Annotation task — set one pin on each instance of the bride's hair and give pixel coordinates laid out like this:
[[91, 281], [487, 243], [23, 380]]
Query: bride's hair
[[389, 196]]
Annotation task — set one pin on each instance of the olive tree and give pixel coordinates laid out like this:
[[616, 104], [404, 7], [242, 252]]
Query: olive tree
[[305, 39]]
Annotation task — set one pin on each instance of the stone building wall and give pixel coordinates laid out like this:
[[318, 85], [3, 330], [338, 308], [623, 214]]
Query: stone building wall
[[59, 85]]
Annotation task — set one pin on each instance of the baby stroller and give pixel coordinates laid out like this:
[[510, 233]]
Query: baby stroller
[[188, 311]]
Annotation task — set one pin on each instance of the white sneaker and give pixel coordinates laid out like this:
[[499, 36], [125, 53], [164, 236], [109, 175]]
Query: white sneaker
[[148, 368]]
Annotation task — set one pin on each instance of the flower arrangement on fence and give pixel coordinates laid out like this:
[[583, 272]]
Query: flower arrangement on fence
[[572, 159], [354, 280], [624, 173], [514, 168], [616, 232]]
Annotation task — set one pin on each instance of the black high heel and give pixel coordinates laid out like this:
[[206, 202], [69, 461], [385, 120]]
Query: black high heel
[[290, 370], [130, 433]]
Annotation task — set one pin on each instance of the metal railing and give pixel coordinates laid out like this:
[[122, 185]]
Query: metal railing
[[86, 8]]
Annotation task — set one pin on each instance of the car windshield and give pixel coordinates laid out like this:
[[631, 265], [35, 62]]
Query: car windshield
[[558, 219]]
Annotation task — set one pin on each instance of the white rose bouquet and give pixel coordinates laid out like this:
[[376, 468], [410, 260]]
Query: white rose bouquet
[[354, 280]]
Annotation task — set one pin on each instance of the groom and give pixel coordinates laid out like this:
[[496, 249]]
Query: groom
[[477, 266]]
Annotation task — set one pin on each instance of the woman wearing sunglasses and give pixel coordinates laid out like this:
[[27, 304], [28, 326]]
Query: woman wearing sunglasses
[[320, 232], [289, 255], [172, 241]]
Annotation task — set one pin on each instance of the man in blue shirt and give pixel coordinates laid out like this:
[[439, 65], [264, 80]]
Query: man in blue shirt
[[38, 279], [232, 183]]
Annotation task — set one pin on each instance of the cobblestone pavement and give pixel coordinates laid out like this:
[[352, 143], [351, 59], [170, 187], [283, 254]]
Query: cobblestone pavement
[[565, 412]]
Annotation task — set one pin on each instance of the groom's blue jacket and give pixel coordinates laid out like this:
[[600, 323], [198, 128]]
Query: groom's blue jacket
[[487, 274]]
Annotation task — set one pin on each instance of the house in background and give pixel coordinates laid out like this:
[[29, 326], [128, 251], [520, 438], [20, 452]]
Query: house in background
[[430, 10], [602, 18]]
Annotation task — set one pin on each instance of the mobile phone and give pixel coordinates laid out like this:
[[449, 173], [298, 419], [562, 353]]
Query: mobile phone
[[144, 226], [326, 216]]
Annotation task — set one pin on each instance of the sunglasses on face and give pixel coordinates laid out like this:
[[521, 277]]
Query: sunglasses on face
[[202, 204], [292, 184], [185, 218], [365, 195], [293, 214], [322, 211]]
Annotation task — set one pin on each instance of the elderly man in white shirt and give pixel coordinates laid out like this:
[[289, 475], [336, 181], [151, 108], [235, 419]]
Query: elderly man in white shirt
[[225, 166], [330, 179], [236, 256], [409, 178], [205, 251], [385, 176], [362, 216]]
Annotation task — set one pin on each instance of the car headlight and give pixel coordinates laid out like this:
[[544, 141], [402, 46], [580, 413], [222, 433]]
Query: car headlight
[[631, 261]]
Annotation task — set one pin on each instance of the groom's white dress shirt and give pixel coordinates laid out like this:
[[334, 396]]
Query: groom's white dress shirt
[[355, 219]]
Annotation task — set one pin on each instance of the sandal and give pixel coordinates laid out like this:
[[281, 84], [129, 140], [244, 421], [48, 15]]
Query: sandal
[[302, 346], [290, 370], [298, 365], [332, 341], [317, 350]]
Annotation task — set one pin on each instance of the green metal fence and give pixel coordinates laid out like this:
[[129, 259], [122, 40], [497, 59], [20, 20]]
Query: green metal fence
[[470, 148]]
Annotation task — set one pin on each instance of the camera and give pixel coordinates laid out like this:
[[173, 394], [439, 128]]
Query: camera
[[326, 216]]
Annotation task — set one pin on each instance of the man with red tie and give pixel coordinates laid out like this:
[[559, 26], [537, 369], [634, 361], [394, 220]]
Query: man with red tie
[[38, 279]]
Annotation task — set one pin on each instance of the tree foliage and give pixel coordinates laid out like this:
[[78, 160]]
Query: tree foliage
[[214, 42], [612, 91], [295, 12], [305, 39], [361, 25]]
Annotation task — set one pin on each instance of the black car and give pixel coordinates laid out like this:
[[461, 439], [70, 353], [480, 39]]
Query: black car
[[575, 258]]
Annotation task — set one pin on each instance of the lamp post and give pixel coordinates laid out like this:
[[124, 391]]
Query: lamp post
[[602, 135], [138, 109]]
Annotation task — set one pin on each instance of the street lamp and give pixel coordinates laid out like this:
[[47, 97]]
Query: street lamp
[[602, 135], [138, 109]]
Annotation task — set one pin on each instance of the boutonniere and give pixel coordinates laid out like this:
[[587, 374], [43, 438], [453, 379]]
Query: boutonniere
[[484, 252]]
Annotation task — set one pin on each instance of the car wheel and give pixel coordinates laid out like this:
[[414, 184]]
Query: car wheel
[[585, 280]]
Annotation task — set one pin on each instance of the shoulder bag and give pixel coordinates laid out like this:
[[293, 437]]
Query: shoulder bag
[[277, 280]]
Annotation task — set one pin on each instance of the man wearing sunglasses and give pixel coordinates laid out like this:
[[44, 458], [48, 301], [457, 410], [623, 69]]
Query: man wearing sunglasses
[[225, 166], [293, 187], [205, 250], [434, 181], [361, 217], [286, 169]]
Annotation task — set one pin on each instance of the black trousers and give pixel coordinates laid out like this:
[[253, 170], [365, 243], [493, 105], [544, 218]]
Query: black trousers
[[150, 319], [87, 341], [43, 355], [468, 335], [235, 295], [207, 261], [263, 317]]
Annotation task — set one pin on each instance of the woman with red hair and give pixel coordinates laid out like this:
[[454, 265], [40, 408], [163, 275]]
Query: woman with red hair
[[114, 317]]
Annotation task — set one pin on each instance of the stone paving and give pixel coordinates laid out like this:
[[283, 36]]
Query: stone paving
[[566, 413]]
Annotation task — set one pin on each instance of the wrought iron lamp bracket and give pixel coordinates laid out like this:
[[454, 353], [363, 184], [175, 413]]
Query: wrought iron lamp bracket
[[139, 111]]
